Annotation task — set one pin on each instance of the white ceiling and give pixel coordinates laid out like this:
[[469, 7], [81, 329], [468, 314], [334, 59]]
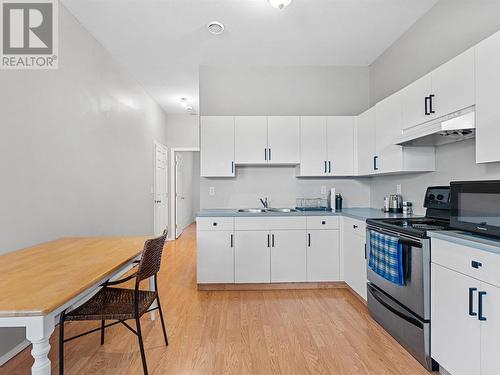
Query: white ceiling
[[162, 42]]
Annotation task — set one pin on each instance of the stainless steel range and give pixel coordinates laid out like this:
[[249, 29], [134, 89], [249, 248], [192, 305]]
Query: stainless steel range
[[404, 310]]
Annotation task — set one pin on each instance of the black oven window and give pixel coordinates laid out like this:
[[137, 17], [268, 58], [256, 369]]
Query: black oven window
[[479, 208]]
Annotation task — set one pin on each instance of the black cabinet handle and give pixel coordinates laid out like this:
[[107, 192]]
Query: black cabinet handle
[[270, 154], [480, 311], [427, 113], [365, 251], [272, 240], [214, 223], [325, 166], [471, 301], [232, 241], [268, 240], [375, 166], [232, 167], [430, 103], [308, 239], [476, 264], [265, 154], [323, 222], [329, 167]]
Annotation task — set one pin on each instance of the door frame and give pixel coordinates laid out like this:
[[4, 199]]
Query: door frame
[[172, 177]]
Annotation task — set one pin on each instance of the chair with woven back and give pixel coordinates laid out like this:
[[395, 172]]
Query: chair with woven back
[[120, 304]]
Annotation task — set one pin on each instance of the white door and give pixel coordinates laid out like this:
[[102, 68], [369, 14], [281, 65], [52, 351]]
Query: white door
[[251, 139], [389, 123], [340, 145], [354, 257], [365, 138], [252, 256], [323, 255], [215, 257], [313, 146], [455, 338], [217, 146], [416, 108], [288, 256], [283, 139], [487, 94], [453, 84], [160, 189], [183, 191], [490, 330]]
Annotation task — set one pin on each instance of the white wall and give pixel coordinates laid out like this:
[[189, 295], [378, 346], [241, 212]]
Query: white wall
[[183, 131], [448, 29], [76, 150], [283, 90]]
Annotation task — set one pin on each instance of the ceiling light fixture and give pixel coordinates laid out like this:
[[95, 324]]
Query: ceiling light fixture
[[215, 27], [280, 4]]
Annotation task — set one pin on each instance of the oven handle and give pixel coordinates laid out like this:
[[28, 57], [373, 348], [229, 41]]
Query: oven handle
[[403, 239], [409, 319]]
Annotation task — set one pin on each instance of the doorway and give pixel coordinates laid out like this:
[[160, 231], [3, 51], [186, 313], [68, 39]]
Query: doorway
[[185, 188]]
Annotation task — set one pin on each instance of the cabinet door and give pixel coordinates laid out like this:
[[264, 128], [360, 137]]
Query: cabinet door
[[455, 338], [340, 145], [354, 260], [283, 139], [490, 330], [365, 138], [288, 256], [217, 146], [389, 123], [487, 94], [313, 153], [250, 139], [252, 257], [215, 257], [323, 258], [453, 84], [414, 102]]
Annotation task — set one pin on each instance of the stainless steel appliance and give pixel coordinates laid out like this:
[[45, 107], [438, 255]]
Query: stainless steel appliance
[[475, 207], [404, 311], [395, 203]]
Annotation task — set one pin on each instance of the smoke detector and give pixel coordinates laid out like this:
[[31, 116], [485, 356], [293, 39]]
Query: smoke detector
[[215, 27], [280, 4]]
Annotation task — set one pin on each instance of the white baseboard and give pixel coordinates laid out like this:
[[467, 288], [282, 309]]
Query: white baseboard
[[14, 351]]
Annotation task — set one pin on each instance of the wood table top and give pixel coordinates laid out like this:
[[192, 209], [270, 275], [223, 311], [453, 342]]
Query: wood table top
[[37, 280]]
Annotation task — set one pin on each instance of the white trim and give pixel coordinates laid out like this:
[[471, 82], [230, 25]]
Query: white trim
[[171, 181], [14, 351]]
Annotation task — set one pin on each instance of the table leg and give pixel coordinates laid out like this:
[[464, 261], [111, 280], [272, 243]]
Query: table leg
[[38, 331], [152, 288]]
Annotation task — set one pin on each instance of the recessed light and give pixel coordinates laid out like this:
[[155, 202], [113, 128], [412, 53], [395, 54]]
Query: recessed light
[[280, 4], [215, 27]]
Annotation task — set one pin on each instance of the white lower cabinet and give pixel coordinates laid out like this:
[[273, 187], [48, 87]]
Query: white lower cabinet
[[215, 256], [323, 255], [465, 309], [252, 256], [288, 256], [354, 255]]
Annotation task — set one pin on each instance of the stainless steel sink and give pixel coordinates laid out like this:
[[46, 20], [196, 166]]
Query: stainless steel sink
[[281, 210], [252, 210]]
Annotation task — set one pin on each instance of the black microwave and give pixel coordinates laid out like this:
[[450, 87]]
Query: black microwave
[[475, 207]]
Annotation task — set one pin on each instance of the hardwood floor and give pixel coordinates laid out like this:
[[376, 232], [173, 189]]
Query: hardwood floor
[[324, 331]]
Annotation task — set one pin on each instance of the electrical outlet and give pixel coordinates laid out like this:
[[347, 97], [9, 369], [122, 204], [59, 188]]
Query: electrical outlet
[[398, 189], [211, 190], [323, 189]]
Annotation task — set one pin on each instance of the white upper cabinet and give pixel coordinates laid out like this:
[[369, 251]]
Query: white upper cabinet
[[487, 99], [453, 85], [217, 146], [250, 139], [313, 146], [416, 102], [283, 139], [365, 138], [340, 145]]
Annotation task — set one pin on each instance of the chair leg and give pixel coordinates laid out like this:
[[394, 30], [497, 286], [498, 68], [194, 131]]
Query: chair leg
[[61, 343], [162, 321], [141, 345], [102, 331]]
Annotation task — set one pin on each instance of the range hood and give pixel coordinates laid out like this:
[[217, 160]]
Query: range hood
[[447, 129]]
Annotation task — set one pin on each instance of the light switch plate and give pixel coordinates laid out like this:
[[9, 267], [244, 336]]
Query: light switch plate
[[211, 190]]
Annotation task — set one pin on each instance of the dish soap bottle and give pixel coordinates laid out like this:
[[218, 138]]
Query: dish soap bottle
[[338, 202]]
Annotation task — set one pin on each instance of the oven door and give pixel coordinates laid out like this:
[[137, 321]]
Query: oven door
[[415, 294]]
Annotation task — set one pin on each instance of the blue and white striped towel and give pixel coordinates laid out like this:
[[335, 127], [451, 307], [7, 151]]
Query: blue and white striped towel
[[386, 257]]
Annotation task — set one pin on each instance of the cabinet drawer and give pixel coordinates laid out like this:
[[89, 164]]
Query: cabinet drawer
[[214, 223], [322, 222], [356, 227], [269, 223], [464, 259]]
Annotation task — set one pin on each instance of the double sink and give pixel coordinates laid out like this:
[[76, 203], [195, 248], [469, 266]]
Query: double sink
[[263, 210]]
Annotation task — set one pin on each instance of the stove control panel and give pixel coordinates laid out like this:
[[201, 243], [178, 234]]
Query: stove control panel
[[437, 197]]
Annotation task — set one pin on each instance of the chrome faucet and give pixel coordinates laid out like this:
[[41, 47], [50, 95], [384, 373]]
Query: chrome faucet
[[264, 202]]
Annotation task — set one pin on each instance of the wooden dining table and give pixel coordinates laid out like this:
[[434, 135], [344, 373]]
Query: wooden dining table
[[39, 282]]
